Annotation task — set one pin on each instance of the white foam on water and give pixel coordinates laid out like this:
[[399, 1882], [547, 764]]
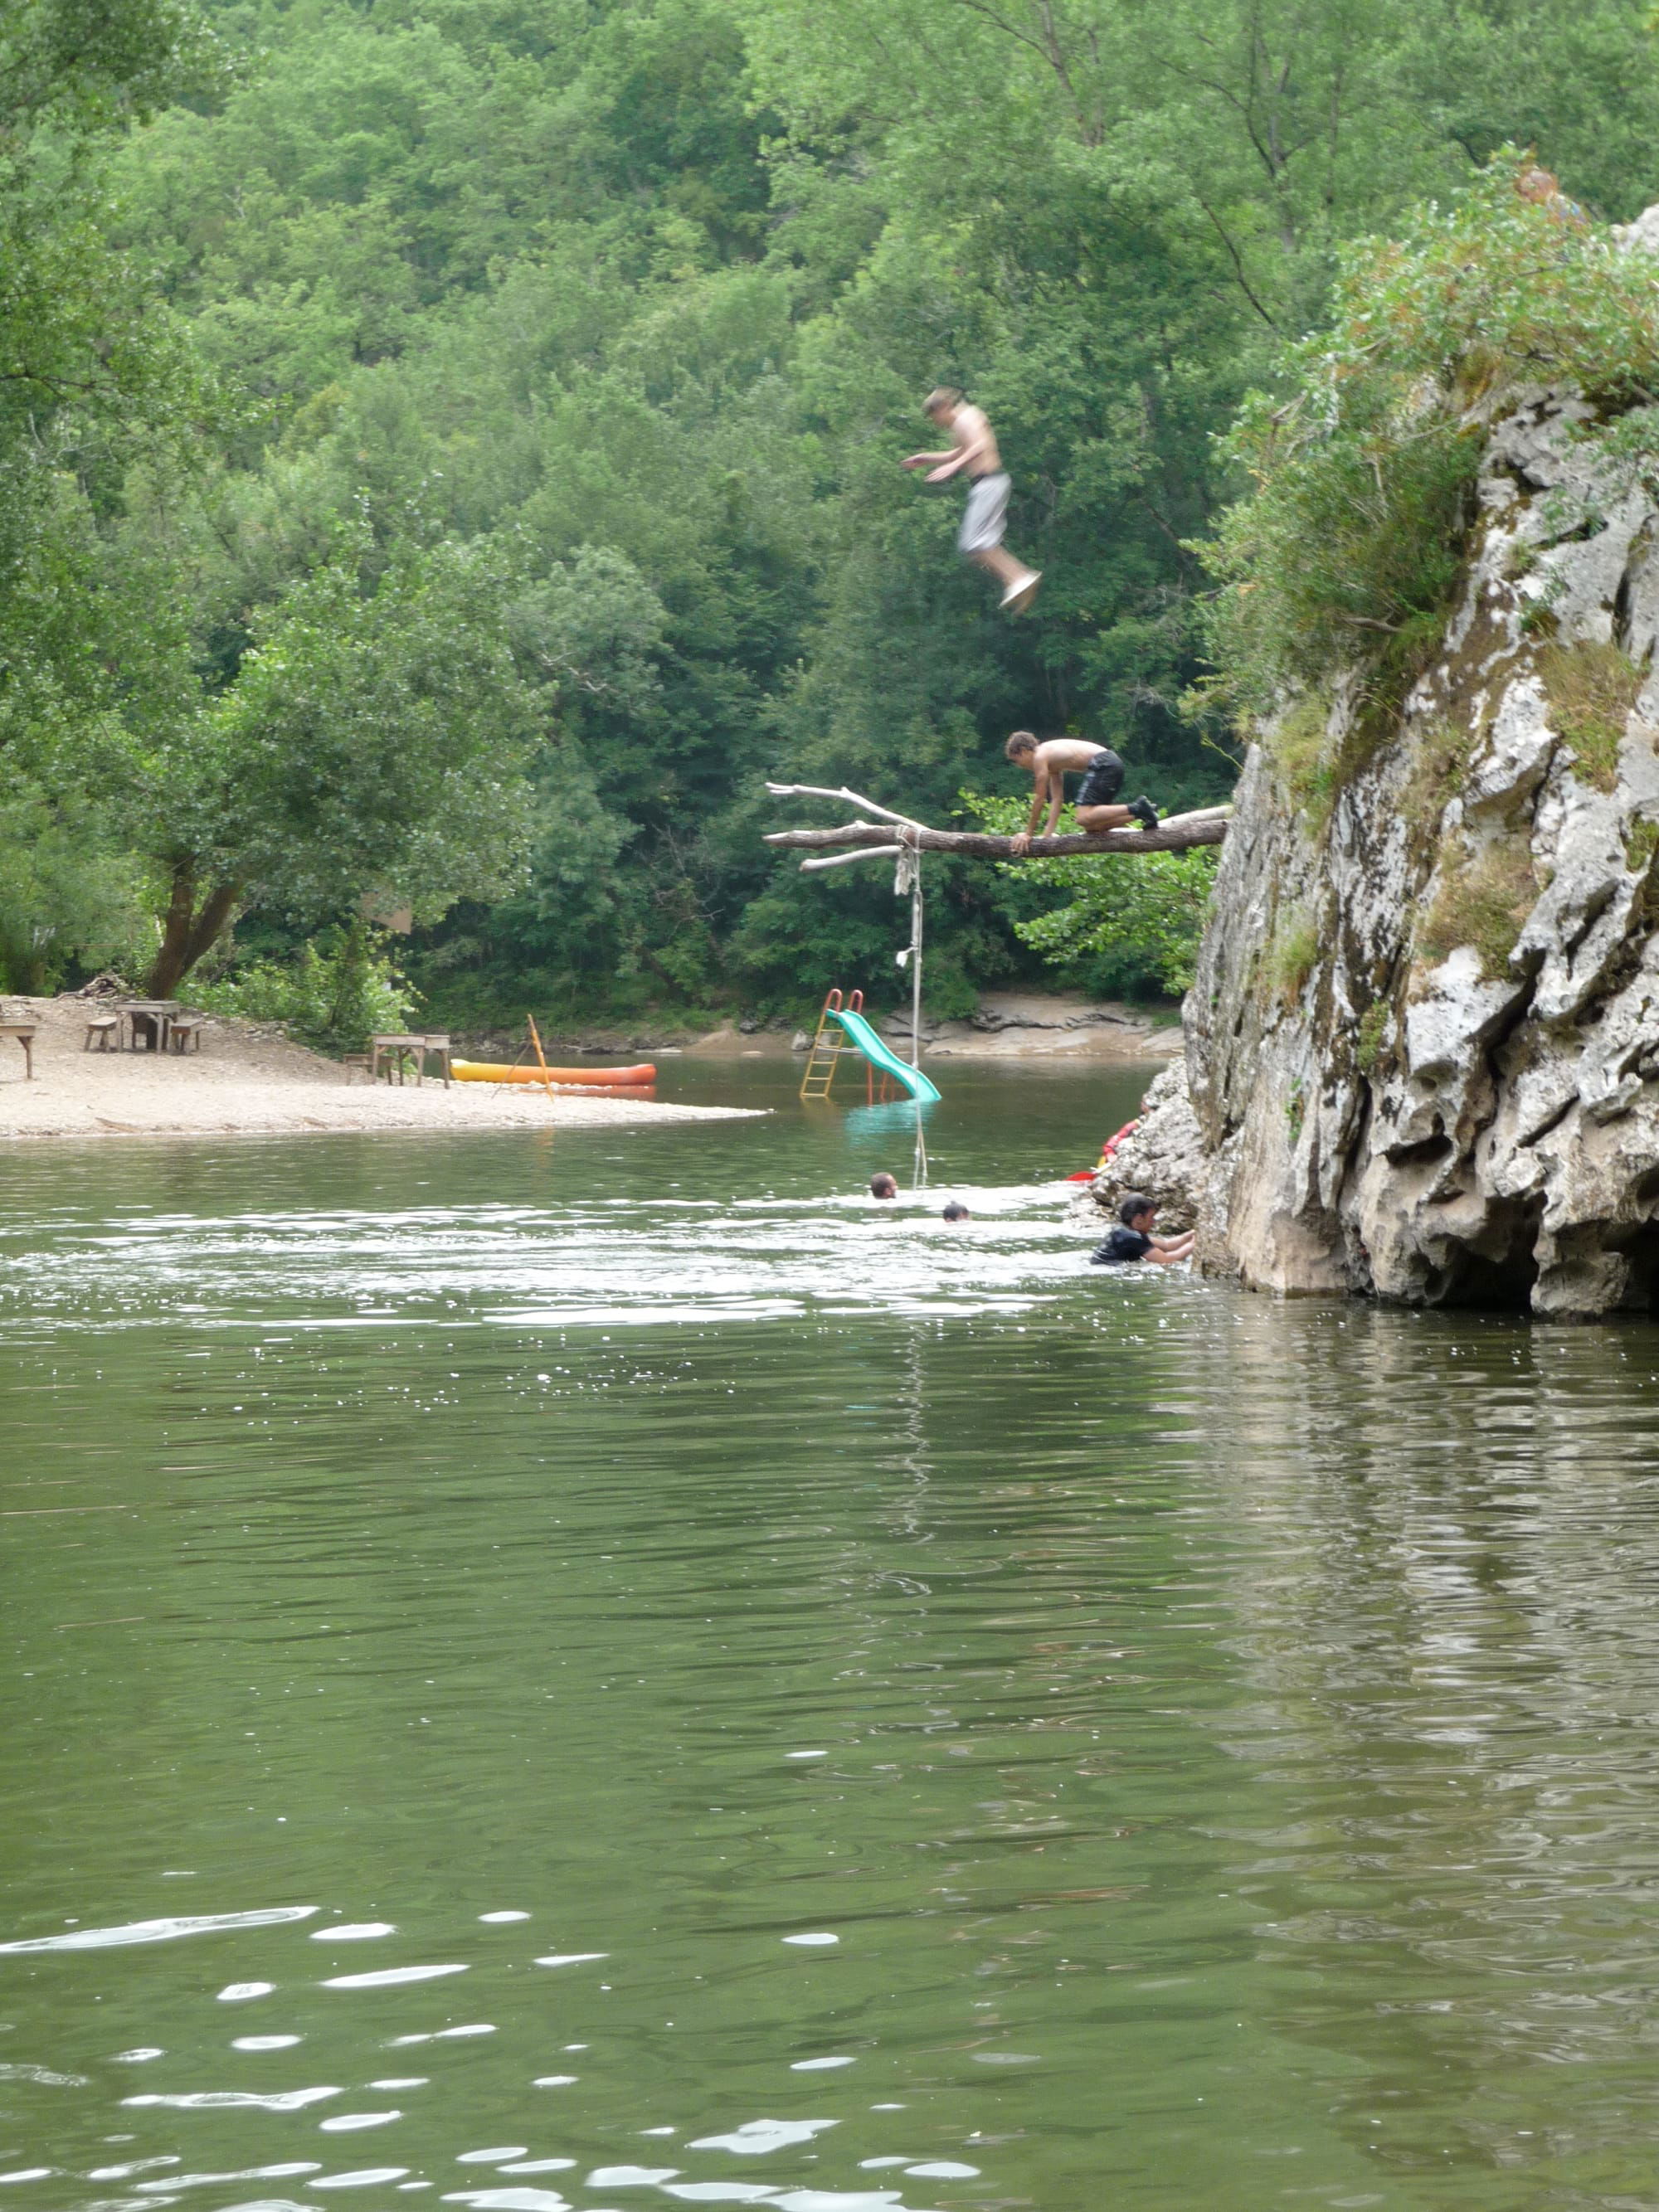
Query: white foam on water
[[839, 2200], [392, 1978], [365, 2177], [441, 2035], [816, 2065], [494, 1919], [283, 2172], [757, 2136], [511, 2200], [571, 1958], [721, 2192], [812, 1937], [630, 2177], [162, 1931], [240, 1992], [263, 2042], [353, 1931], [345, 2123], [214, 2100], [493, 2156]]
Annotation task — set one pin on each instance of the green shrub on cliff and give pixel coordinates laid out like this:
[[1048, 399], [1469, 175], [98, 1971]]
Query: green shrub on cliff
[[1591, 690], [1346, 551]]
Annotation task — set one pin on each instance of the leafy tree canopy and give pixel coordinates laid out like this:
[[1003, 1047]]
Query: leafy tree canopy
[[528, 378]]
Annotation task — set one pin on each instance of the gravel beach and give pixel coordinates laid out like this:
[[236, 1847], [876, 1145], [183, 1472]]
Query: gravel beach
[[247, 1081]]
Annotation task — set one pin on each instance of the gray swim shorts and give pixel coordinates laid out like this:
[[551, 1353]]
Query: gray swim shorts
[[985, 514]]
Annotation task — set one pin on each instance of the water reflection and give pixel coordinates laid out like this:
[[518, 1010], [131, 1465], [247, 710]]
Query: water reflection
[[1007, 1738]]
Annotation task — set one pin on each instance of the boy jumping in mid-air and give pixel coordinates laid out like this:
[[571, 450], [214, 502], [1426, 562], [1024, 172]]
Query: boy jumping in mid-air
[[974, 447], [1051, 762]]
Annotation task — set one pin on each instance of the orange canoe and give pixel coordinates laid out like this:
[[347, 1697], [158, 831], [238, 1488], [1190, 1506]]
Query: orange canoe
[[483, 1070]]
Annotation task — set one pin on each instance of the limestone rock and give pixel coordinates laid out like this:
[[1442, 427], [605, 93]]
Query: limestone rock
[[1422, 1050], [1163, 1159]]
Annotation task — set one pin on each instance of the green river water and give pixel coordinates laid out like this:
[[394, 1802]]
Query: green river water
[[607, 1672]]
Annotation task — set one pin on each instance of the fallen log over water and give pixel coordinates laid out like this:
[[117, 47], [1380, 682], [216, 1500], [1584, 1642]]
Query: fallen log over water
[[1207, 826]]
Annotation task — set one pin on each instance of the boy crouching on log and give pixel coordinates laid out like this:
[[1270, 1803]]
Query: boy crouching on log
[[1102, 774]]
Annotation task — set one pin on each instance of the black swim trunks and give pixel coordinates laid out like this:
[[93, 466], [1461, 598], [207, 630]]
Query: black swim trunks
[[1103, 780]]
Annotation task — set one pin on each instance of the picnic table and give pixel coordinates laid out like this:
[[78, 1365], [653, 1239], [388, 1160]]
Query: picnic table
[[24, 1033], [152, 1019], [401, 1050]]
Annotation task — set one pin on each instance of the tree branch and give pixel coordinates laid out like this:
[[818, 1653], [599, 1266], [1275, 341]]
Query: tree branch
[[1207, 826], [850, 798]]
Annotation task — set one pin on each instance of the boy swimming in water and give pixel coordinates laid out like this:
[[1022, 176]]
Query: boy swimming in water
[[1103, 772], [974, 448], [1133, 1239]]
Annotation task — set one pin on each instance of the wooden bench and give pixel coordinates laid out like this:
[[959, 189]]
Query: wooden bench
[[186, 1029], [107, 1029]]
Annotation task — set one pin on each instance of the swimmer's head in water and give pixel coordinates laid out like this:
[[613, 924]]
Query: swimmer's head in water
[[1020, 745], [1135, 1208], [942, 402], [883, 1185], [956, 1210]]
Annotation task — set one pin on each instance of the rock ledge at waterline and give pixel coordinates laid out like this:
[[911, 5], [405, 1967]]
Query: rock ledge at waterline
[[1371, 1105]]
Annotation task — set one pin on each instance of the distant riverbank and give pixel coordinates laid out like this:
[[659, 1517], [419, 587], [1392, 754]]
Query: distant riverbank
[[250, 1081], [1006, 1025]]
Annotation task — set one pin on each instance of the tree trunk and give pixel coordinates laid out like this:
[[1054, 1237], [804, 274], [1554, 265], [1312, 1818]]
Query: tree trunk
[[188, 931], [1178, 835]]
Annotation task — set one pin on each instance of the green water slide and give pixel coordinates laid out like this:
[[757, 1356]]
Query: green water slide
[[878, 1054]]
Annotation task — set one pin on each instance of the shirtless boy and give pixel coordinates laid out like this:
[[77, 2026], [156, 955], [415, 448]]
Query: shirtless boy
[[1102, 770], [974, 448], [1133, 1239]]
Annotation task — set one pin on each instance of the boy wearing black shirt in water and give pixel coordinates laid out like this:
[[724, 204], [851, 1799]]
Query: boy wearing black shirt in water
[[1133, 1239]]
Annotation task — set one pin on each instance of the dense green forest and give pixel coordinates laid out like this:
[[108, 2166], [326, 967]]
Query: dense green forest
[[448, 450]]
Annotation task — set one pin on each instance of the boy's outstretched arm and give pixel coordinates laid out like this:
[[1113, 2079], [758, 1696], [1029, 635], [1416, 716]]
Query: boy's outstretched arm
[[972, 444], [1022, 842]]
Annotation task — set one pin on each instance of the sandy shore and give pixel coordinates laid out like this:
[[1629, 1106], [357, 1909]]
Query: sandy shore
[[246, 1082]]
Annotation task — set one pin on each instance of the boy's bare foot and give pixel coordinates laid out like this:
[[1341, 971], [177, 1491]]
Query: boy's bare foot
[[1019, 596]]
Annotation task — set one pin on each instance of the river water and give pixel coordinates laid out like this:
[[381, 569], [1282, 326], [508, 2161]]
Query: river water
[[607, 1672]]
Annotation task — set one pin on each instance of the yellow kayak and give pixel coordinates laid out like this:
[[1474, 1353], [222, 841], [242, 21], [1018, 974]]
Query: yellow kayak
[[485, 1071]]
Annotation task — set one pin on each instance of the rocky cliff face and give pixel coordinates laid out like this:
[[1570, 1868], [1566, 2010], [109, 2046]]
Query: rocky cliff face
[[1422, 1046]]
